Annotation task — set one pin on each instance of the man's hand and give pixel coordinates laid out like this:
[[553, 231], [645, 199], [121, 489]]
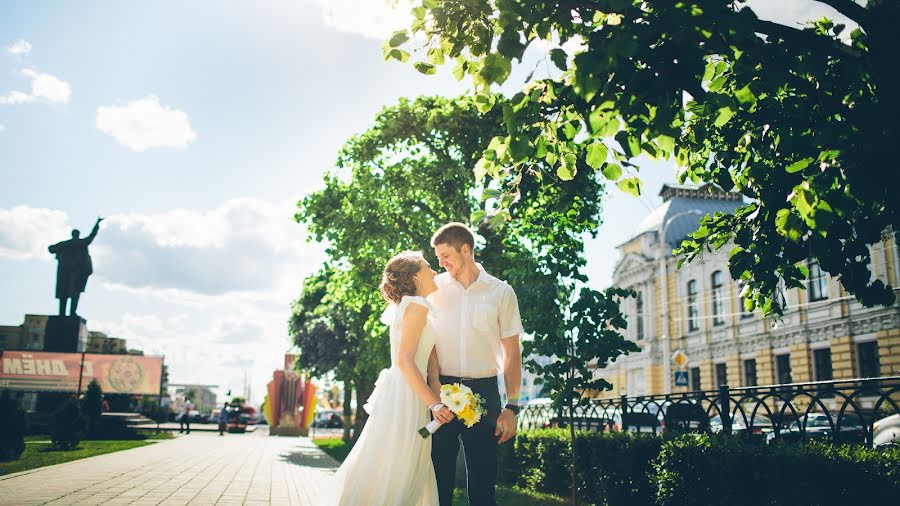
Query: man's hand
[[506, 426]]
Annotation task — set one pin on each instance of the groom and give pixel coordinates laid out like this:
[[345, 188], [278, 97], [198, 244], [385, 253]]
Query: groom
[[477, 315]]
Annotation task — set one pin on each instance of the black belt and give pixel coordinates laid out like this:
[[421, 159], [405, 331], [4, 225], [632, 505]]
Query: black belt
[[471, 381]]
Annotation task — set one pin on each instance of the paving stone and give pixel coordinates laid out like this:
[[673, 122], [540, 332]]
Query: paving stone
[[200, 469]]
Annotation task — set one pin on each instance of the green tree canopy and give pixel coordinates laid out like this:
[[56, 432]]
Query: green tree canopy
[[394, 186], [797, 118]]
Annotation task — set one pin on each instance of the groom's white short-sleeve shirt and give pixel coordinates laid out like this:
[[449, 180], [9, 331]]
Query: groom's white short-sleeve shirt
[[470, 323]]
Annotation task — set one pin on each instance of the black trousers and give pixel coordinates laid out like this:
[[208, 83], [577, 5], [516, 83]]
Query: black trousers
[[479, 443]]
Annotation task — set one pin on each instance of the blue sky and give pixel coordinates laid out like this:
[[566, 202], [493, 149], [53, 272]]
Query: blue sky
[[195, 127]]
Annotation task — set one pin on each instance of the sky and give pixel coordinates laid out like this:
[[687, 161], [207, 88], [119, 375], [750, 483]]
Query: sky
[[194, 128]]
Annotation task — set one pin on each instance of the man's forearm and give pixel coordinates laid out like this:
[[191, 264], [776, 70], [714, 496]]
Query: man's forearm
[[512, 376]]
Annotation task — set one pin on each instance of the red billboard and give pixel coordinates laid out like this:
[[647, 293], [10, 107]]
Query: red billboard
[[58, 372]]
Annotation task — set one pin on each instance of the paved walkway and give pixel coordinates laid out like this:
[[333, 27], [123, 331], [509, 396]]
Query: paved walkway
[[200, 468]]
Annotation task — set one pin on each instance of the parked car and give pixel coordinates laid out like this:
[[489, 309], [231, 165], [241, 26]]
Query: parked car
[[760, 424], [593, 423], [328, 419], [819, 426], [886, 431]]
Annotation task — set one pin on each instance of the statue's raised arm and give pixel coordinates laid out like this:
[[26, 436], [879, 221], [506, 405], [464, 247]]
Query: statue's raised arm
[[93, 234]]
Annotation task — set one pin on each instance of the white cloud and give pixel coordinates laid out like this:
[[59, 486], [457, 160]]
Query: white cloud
[[26, 232], [48, 87], [145, 123], [243, 246], [2, 127], [19, 47], [44, 87], [376, 19]]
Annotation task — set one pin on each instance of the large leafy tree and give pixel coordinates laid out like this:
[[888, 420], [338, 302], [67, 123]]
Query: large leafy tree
[[797, 118], [397, 183]]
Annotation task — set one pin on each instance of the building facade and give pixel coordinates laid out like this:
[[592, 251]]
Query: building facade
[[824, 333]]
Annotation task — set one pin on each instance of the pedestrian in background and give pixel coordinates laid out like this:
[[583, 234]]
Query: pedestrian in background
[[223, 419], [184, 421]]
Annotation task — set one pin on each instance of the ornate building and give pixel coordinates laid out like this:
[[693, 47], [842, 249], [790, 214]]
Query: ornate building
[[824, 333]]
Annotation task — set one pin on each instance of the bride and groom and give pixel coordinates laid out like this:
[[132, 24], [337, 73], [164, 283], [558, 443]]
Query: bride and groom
[[444, 329]]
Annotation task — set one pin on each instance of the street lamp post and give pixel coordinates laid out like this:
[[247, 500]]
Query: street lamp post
[[667, 359]]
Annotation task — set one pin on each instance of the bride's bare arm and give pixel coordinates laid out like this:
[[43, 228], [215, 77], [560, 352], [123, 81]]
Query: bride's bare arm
[[410, 331], [434, 373]]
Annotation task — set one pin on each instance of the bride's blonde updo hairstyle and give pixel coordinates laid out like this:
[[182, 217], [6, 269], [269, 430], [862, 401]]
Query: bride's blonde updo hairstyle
[[397, 280]]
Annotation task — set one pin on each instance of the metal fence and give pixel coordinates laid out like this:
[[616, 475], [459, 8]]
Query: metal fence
[[843, 411]]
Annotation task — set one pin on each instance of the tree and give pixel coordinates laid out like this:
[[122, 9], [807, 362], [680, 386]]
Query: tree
[[577, 327], [393, 186], [67, 426], [12, 427], [92, 405], [794, 118]]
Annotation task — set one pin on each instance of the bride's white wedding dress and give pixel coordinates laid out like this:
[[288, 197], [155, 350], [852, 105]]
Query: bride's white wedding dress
[[391, 463]]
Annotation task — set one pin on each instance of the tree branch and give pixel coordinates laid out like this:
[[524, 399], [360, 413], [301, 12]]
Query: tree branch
[[808, 39], [849, 8]]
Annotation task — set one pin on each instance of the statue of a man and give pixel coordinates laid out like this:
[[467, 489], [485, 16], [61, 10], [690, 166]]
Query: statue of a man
[[74, 268]]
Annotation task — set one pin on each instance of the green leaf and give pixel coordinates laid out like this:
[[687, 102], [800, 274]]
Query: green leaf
[[480, 169], [666, 143], [418, 12], [724, 115], [459, 71], [436, 56], [477, 216], [495, 69], [520, 148], [631, 186], [490, 193], [565, 173], [596, 155], [397, 54], [398, 38], [612, 171], [745, 95], [799, 165], [425, 68], [430, 4], [559, 57]]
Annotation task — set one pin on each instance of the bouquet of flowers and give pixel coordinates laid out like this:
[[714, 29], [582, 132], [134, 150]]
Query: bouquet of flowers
[[464, 403]]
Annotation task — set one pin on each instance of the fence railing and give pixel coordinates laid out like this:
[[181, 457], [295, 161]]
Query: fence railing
[[842, 411]]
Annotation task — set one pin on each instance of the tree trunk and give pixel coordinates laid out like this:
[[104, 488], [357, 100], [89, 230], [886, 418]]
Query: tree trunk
[[363, 390], [348, 398]]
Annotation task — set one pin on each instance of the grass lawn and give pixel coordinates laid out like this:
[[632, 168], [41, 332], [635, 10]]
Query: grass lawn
[[39, 454], [505, 495]]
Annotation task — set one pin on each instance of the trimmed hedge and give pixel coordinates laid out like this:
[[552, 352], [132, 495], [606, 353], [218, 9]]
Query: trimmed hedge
[[613, 469], [68, 426], [699, 469], [627, 468]]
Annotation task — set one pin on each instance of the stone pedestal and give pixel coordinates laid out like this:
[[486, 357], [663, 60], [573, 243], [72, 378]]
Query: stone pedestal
[[67, 334]]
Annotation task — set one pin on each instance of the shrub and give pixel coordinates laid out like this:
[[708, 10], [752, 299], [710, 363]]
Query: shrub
[[92, 406], [12, 428], [700, 469], [612, 468], [68, 426]]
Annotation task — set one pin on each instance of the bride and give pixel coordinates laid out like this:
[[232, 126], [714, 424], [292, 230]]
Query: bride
[[391, 463]]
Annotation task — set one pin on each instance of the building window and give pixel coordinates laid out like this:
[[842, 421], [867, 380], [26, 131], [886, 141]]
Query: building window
[[818, 282], [692, 305], [750, 372], [695, 379], [867, 357], [640, 315], [721, 375], [783, 368], [718, 304], [822, 363]]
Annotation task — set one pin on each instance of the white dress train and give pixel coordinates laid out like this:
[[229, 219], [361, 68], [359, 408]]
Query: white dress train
[[391, 463]]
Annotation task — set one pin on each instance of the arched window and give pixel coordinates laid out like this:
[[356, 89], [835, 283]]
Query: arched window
[[718, 302], [692, 305], [640, 315]]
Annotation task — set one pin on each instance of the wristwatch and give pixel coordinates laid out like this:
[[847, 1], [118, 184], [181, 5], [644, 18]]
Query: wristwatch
[[513, 408]]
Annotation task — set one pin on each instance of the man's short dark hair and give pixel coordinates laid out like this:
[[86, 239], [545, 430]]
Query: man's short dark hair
[[455, 234]]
